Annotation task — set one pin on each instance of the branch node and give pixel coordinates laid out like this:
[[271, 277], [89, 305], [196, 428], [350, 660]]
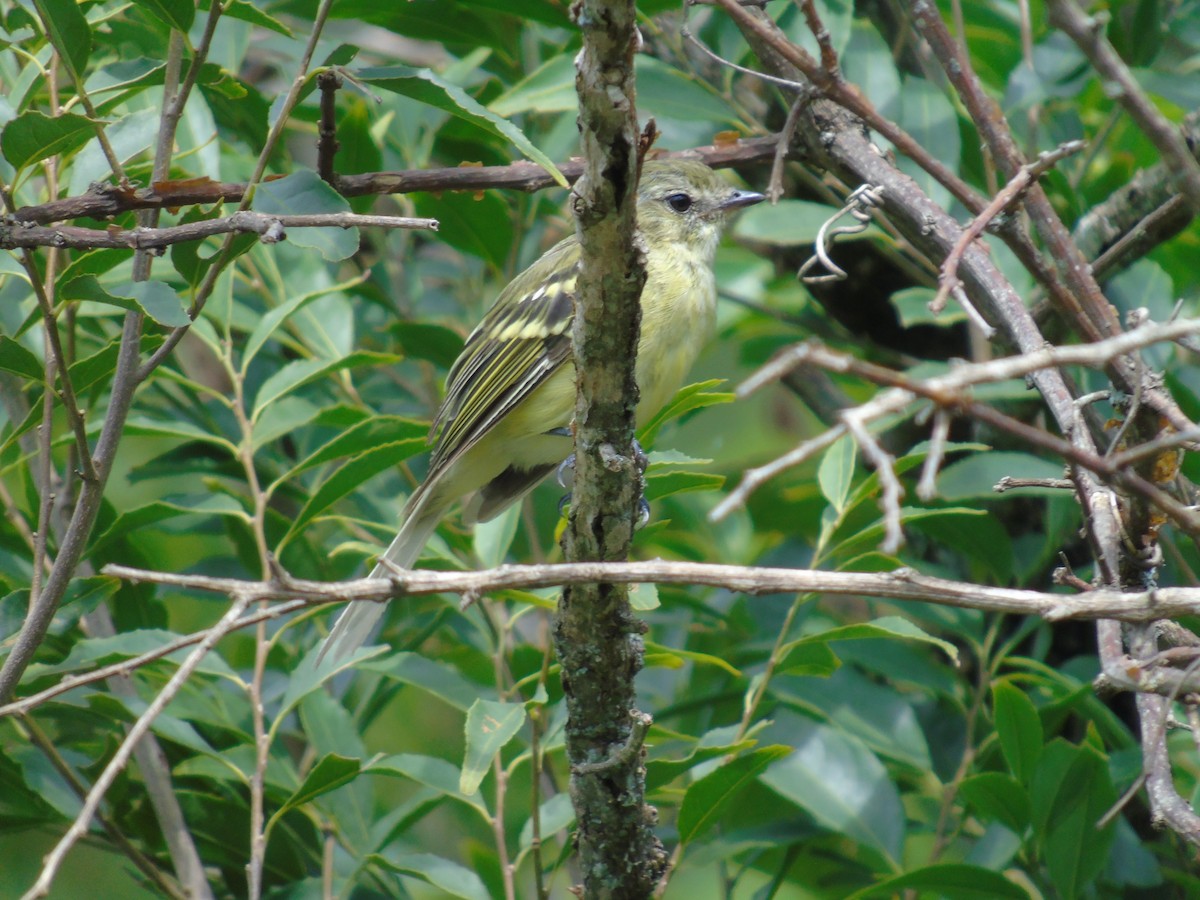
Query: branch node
[[623, 755]]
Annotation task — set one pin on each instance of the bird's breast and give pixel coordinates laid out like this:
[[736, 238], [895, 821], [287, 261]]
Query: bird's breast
[[679, 307]]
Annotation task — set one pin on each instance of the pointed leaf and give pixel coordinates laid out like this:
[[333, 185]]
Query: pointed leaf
[[331, 772], [688, 398], [426, 86], [16, 359], [68, 30], [1018, 727], [836, 472], [952, 881], [451, 879], [34, 136], [707, 798], [843, 786], [350, 475], [177, 14], [490, 725]]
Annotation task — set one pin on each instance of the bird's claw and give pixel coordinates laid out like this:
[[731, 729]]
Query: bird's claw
[[560, 475], [643, 516]]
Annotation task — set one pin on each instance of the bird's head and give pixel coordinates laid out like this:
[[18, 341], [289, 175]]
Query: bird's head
[[684, 202]]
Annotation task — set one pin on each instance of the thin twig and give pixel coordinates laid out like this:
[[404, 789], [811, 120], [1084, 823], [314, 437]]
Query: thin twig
[[268, 226], [1009, 194], [927, 485], [891, 492]]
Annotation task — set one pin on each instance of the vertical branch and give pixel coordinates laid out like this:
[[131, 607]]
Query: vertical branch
[[597, 636]]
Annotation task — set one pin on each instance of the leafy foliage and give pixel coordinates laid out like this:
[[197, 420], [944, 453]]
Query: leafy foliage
[[803, 746]]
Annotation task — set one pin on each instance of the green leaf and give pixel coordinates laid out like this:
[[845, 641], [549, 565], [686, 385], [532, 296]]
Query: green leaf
[[843, 786], [451, 879], [310, 675], [999, 797], [131, 707], [811, 659], [270, 321], [89, 592], [369, 434], [437, 678], [661, 771], [154, 298], [912, 306], [91, 653], [555, 815], [493, 538], [331, 772], [178, 428], [34, 136], [157, 300], [1071, 791], [304, 193], [952, 881], [300, 372], [248, 12], [438, 774], [479, 224], [927, 114], [704, 659], [490, 725], [162, 510], [548, 88], [422, 340], [885, 627], [424, 85], [666, 92], [707, 798], [1018, 727], [659, 485], [688, 398], [350, 475], [177, 14], [283, 417], [835, 474], [67, 28], [331, 729], [16, 359], [975, 476], [128, 136], [643, 597], [874, 712]]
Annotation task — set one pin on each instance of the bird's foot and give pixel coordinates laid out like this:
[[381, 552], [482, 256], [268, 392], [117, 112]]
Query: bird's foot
[[565, 476]]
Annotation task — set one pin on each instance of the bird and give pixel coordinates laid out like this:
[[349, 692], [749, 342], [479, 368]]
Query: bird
[[504, 424]]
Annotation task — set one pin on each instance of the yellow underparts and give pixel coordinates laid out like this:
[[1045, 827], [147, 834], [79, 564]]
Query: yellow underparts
[[676, 325]]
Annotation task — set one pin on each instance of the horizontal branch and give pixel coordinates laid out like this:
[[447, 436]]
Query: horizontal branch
[[271, 228], [952, 390], [902, 584], [104, 201]]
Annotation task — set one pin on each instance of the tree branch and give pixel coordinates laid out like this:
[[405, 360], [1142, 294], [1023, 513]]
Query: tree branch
[[596, 635], [269, 227], [901, 584]]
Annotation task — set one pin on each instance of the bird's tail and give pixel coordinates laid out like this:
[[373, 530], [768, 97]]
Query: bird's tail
[[353, 627]]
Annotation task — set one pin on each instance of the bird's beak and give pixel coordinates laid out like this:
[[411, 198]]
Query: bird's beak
[[738, 199]]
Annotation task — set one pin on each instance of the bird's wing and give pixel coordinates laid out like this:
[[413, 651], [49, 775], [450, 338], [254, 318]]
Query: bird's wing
[[521, 341]]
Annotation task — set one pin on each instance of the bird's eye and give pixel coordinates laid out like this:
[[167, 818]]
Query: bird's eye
[[681, 203]]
